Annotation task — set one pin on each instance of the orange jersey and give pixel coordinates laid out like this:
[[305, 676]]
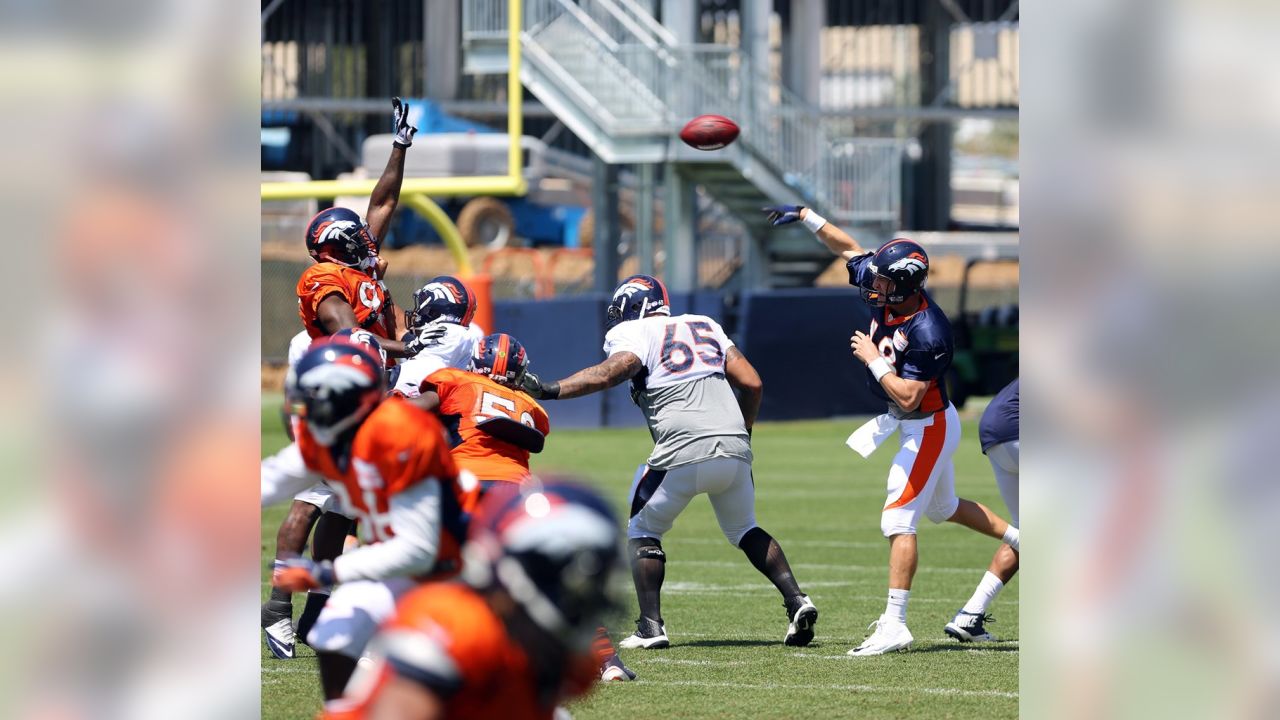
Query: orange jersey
[[446, 637], [398, 446], [474, 398], [362, 292]]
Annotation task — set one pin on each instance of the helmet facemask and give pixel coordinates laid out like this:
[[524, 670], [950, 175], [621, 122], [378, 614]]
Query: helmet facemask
[[888, 292], [359, 244]]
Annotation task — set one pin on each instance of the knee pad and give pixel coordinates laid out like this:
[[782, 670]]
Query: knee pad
[[647, 549]]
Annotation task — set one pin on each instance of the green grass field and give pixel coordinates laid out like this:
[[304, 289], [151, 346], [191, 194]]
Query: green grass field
[[821, 501]]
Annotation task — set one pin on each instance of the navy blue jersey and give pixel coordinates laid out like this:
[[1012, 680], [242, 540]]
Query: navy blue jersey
[[999, 422], [918, 346]]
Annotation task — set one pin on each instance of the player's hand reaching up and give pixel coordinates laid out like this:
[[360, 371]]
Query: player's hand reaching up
[[404, 131], [299, 574], [783, 214], [863, 348]]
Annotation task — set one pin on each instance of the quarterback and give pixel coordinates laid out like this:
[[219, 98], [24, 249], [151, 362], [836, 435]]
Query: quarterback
[[906, 349]]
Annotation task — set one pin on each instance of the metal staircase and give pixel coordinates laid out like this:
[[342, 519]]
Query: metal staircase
[[619, 80]]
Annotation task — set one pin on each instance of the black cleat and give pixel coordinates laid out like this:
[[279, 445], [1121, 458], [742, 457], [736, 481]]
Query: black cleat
[[970, 627], [649, 635], [802, 615]]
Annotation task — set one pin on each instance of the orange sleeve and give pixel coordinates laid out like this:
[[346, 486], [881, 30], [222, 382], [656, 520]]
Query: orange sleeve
[[540, 419], [445, 386], [459, 397], [459, 620], [411, 446], [319, 282]]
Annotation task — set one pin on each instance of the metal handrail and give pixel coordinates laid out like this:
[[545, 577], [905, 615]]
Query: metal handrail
[[852, 178], [657, 29], [627, 22], [600, 34]]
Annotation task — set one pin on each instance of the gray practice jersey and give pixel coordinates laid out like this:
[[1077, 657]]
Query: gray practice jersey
[[690, 407]]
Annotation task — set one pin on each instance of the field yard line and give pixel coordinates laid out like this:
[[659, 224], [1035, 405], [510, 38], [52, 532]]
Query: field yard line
[[681, 661], [853, 688], [677, 635], [790, 543], [976, 570], [700, 589], [967, 651]]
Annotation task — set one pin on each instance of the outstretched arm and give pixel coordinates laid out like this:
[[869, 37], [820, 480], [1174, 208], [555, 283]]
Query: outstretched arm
[[616, 368], [386, 194], [837, 241], [744, 378]]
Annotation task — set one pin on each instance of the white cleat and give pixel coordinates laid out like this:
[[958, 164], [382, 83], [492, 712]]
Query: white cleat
[[280, 638], [970, 627], [890, 635], [614, 671], [649, 635], [801, 622]]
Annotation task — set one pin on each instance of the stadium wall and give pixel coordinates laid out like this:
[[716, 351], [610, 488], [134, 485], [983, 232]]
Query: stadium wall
[[803, 359]]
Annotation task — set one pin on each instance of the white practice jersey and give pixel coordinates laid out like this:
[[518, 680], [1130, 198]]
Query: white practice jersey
[[690, 407], [298, 346], [454, 351]]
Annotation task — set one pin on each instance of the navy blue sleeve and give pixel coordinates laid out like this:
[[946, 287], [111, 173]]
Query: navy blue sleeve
[[927, 363], [857, 267]]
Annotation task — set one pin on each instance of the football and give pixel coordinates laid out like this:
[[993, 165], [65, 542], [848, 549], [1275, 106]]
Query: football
[[709, 132]]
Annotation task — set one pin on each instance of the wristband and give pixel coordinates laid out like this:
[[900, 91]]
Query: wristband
[[551, 390], [813, 221], [879, 368]]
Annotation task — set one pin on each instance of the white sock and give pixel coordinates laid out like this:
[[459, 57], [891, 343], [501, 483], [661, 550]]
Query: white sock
[[897, 607], [988, 589], [1011, 538]]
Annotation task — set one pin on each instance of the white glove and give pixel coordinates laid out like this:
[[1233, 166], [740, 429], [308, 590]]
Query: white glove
[[404, 131], [426, 337]]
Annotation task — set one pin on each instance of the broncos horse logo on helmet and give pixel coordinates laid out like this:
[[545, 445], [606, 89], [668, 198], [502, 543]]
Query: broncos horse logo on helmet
[[502, 358], [442, 299], [339, 236], [334, 387], [638, 296], [904, 264], [363, 338]]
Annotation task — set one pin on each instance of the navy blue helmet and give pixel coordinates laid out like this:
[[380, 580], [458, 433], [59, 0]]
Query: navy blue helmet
[[637, 297], [904, 264], [338, 235], [334, 387], [360, 336], [554, 546], [442, 299], [502, 358]]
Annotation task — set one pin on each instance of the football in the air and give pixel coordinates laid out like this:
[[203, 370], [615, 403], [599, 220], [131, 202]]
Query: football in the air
[[709, 132]]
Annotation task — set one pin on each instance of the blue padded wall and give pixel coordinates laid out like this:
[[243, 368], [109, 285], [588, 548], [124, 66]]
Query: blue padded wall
[[562, 336], [798, 340]]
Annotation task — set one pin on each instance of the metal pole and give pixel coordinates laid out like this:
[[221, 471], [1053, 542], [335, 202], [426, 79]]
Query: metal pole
[[680, 214], [644, 219], [604, 243]]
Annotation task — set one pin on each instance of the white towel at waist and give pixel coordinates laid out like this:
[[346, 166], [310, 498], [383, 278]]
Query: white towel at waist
[[867, 438]]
